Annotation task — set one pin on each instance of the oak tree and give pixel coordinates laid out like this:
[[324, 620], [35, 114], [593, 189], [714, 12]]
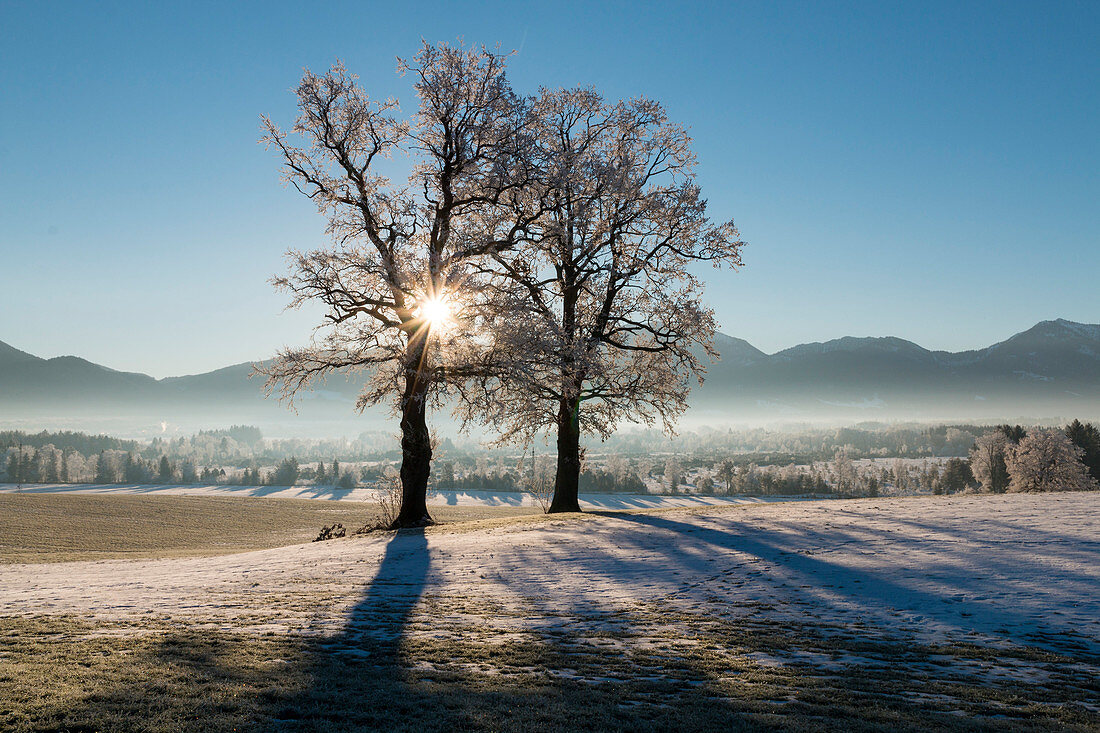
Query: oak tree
[[393, 282], [608, 324]]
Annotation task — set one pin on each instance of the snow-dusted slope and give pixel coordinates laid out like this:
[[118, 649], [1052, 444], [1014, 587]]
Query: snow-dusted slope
[[1021, 570]]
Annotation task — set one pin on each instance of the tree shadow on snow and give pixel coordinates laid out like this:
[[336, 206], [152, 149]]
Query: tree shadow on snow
[[397, 665], [406, 670], [961, 604], [394, 667]]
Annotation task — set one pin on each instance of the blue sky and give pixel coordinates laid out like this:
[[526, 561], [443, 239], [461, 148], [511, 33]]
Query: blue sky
[[930, 171]]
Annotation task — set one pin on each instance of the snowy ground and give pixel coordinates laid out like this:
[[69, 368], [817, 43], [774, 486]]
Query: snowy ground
[[1019, 569], [452, 497], [825, 586]]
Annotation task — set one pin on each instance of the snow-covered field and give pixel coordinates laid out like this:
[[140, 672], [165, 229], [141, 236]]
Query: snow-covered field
[[1019, 569], [452, 497], [907, 590]]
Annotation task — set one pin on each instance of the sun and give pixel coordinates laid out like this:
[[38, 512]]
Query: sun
[[436, 311]]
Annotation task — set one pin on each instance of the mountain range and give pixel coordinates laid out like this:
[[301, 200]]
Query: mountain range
[[1049, 370]]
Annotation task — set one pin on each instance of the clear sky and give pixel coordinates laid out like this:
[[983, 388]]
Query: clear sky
[[924, 170]]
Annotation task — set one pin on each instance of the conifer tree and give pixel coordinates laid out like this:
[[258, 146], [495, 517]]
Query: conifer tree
[[165, 471]]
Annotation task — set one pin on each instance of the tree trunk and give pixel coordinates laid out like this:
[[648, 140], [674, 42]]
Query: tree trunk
[[569, 461], [416, 453]]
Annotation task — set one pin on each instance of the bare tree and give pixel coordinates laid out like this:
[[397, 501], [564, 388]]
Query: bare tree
[[1047, 460], [725, 470], [674, 475], [987, 461], [394, 283], [607, 323], [845, 476]]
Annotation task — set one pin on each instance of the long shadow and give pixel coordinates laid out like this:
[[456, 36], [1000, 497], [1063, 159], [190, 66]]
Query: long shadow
[[1005, 556], [433, 681], [355, 680], [387, 604], [377, 675], [862, 587], [358, 679], [373, 660]]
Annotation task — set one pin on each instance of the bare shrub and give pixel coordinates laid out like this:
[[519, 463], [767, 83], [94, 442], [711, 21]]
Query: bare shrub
[[539, 482], [387, 496], [331, 533], [542, 488]]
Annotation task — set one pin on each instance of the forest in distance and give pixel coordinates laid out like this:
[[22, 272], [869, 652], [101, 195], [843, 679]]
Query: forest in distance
[[847, 461]]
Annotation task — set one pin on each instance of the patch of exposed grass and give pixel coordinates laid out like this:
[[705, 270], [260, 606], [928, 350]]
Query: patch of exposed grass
[[63, 674], [62, 527]]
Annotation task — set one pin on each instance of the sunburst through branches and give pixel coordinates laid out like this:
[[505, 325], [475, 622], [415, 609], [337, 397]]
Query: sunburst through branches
[[436, 311]]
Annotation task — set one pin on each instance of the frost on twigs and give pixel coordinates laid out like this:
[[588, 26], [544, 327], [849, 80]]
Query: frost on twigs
[[401, 299], [1047, 460], [539, 261], [600, 318]]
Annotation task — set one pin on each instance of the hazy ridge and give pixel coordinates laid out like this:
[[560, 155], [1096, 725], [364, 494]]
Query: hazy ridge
[[1051, 369]]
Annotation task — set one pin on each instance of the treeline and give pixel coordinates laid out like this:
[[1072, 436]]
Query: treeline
[[238, 455], [1004, 458], [1012, 458], [480, 473], [66, 441], [50, 465], [780, 447], [245, 446], [240, 446]]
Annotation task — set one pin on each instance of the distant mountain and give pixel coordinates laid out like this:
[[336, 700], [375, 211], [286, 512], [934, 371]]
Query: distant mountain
[[11, 356], [1052, 369], [28, 379], [737, 352]]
